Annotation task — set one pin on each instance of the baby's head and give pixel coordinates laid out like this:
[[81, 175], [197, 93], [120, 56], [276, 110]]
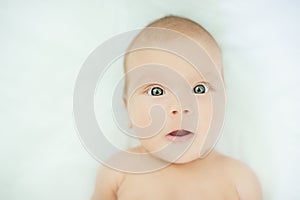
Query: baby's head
[[167, 93]]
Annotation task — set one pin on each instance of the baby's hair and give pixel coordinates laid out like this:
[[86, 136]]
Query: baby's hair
[[185, 26]]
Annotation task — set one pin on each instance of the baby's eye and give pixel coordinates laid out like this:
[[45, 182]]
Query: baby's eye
[[155, 91], [200, 89]]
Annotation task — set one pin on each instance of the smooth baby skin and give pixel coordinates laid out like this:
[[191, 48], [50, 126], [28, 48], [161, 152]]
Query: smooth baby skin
[[212, 178]]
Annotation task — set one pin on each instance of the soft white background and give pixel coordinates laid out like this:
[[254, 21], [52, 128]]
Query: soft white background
[[44, 43]]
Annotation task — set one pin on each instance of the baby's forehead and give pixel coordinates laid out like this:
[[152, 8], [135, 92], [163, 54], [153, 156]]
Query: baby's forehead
[[175, 50], [155, 64], [159, 57], [163, 40]]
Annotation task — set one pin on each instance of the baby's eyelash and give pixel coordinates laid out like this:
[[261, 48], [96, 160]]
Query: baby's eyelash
[[207, 84], [148, 87]]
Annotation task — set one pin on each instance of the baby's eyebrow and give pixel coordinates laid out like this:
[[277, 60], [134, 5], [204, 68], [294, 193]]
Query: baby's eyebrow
[[208, 84], [204, 82], [152, 84], [159, 84]]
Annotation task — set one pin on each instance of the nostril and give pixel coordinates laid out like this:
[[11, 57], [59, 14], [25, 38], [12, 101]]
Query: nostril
[[174, 112], [186, 111]]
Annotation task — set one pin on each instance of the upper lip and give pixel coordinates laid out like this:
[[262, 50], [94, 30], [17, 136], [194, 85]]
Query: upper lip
[[180, 132]]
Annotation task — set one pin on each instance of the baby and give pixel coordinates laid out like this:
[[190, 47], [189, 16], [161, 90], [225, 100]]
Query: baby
[[184, 134]]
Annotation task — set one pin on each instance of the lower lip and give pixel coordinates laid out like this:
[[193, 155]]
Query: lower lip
[[179, 138]]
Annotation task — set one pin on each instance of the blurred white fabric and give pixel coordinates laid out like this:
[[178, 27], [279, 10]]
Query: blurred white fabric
[[44, 43]]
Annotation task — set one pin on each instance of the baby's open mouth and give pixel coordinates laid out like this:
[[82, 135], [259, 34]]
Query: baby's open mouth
[[179, 135]]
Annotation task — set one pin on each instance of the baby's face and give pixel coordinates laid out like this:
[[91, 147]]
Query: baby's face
[[173, 86]]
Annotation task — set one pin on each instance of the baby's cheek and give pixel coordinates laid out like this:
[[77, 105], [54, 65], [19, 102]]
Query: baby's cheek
[[205, 110], [139, 112]]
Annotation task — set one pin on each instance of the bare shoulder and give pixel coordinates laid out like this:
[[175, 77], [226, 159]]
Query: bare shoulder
[[108, 180], [243, 177], [107, 183], [137, 149]]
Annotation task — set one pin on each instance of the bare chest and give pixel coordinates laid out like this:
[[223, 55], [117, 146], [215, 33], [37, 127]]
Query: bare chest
[[177, 186]]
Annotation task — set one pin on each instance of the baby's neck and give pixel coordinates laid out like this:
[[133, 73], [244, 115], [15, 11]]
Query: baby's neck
[[197, 162]]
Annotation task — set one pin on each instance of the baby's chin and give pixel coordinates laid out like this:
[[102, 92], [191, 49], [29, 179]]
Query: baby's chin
[[186, 157]]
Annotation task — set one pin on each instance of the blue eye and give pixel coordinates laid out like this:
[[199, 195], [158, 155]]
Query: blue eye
[[200, 89], [156, 91]]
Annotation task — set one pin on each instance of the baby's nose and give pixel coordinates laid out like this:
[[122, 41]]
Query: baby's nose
[[176, 111]]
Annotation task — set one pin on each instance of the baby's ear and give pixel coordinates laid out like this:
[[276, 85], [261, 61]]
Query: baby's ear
[[125, 100]]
